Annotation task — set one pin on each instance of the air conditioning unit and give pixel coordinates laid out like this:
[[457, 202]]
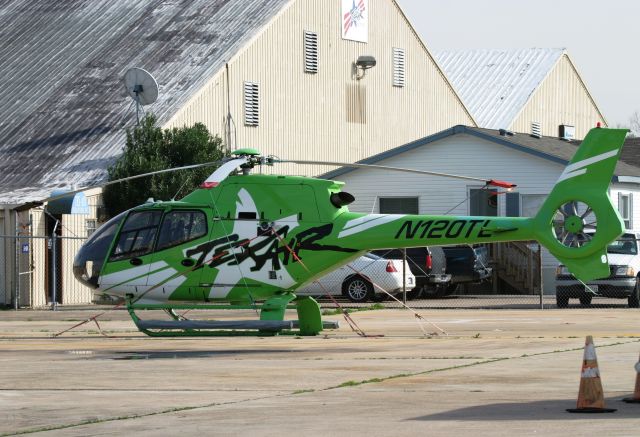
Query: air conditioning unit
[[567, 132]]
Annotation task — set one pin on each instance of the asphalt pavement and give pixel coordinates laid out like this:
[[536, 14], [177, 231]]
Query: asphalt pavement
[[450, 372]]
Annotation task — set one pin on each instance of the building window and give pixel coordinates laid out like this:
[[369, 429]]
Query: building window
[[531, 204], [398, 205], [251, 104], [625, 207], [398, 67], [310, 52], [91, 225], [483, 202]]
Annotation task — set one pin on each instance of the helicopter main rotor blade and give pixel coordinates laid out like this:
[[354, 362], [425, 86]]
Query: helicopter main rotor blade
[[384, 167], [129, 178]]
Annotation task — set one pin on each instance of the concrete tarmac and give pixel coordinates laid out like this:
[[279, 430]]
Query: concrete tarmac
[[494, 373]]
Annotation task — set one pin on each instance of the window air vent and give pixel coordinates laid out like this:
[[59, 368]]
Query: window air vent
[[251, 104], [536, 129], [398, 67], [310, 52]]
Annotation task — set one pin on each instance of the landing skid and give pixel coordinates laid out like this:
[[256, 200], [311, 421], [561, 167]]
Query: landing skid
[[271, 319]]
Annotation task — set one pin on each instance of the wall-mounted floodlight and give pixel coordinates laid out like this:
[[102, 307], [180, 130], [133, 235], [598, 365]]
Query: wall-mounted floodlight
[[363, 63]]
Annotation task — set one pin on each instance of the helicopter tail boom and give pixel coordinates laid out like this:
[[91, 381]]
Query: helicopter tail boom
[[578, 219]]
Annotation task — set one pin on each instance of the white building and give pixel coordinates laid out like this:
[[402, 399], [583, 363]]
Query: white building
[[534, 164]]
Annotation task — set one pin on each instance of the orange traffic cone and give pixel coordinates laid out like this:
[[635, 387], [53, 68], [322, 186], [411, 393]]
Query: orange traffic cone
[[590, 395], [636, 393]]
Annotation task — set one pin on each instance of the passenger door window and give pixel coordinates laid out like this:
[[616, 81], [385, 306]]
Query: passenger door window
[[180, 227]]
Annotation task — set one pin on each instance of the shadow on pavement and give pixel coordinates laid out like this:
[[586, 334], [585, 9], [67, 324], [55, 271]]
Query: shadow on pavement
[[539, 410]]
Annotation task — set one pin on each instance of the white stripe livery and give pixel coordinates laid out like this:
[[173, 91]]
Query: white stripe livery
[[366, 222], [580, 167]]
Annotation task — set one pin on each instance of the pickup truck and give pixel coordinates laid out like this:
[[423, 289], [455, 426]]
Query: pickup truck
[[624, 268], [467, 263]]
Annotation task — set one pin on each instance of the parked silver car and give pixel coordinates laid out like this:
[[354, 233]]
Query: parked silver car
[[356, 280]]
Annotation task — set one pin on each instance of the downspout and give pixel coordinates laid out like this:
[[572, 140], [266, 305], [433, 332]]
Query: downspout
[[54, 268], [15, 276], [228, 120]]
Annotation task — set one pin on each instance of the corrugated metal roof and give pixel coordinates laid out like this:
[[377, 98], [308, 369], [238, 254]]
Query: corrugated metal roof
[[496, 84], [64, 107]]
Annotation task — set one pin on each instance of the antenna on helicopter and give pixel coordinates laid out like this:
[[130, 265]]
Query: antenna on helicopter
[[142, 88]]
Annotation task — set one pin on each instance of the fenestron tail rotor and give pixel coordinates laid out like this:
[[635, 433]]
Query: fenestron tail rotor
[[575, 224], [567, 222]]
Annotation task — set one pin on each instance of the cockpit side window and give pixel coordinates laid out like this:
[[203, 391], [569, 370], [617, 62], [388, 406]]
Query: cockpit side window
[[181, 226], [137, 235]]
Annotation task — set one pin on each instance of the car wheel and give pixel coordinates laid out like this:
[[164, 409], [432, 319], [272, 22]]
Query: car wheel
[[586, 300], [562, 301], [358, 289], [634, 298]]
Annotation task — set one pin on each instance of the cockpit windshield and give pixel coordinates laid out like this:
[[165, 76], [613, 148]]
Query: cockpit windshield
[[88, 262]]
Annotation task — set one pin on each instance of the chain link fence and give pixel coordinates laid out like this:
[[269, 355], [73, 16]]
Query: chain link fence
[[37, 258], [518, 275], [38, 272]]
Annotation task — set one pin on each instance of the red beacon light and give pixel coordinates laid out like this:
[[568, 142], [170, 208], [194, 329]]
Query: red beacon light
[[598, 125]]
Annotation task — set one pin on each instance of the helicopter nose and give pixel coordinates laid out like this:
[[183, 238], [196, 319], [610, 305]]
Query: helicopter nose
[[83, 271], [93, 253]]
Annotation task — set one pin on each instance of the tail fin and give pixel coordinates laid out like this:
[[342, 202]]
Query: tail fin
[[578, 219]]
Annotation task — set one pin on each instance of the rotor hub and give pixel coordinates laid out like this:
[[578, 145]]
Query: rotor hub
[[574, 224]]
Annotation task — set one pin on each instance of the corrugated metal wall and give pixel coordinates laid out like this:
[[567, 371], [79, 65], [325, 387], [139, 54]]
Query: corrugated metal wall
[[320, 116], [561, 99], [39, 253], [73, 233], [5, 286]]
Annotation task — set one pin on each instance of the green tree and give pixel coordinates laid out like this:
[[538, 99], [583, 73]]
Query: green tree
[[150, 148]]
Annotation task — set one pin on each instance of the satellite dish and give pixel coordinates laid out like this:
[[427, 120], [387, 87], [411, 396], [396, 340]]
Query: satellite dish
[[141, 86]]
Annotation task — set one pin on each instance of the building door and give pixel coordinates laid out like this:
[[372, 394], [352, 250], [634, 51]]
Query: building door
[[54, 260]]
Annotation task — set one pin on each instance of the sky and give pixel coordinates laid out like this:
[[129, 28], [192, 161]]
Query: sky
[[601, 37]]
